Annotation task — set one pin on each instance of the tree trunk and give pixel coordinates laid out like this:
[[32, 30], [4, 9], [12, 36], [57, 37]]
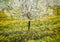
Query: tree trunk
[[29, 22]]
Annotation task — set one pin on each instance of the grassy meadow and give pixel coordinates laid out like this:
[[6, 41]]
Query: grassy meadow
[[46, 29]]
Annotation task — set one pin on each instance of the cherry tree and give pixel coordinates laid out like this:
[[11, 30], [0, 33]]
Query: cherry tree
[[28, 9]]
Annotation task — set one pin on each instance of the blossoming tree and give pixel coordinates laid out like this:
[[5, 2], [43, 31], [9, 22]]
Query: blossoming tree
[[27, 9]]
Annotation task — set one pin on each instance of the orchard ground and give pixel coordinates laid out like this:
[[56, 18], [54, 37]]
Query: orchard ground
[[46, 29]]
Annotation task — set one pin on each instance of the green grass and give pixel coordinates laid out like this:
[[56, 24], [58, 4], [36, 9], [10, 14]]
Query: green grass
[[41, 31]]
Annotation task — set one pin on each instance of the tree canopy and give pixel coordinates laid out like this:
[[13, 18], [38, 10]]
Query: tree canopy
[[28, 8]]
